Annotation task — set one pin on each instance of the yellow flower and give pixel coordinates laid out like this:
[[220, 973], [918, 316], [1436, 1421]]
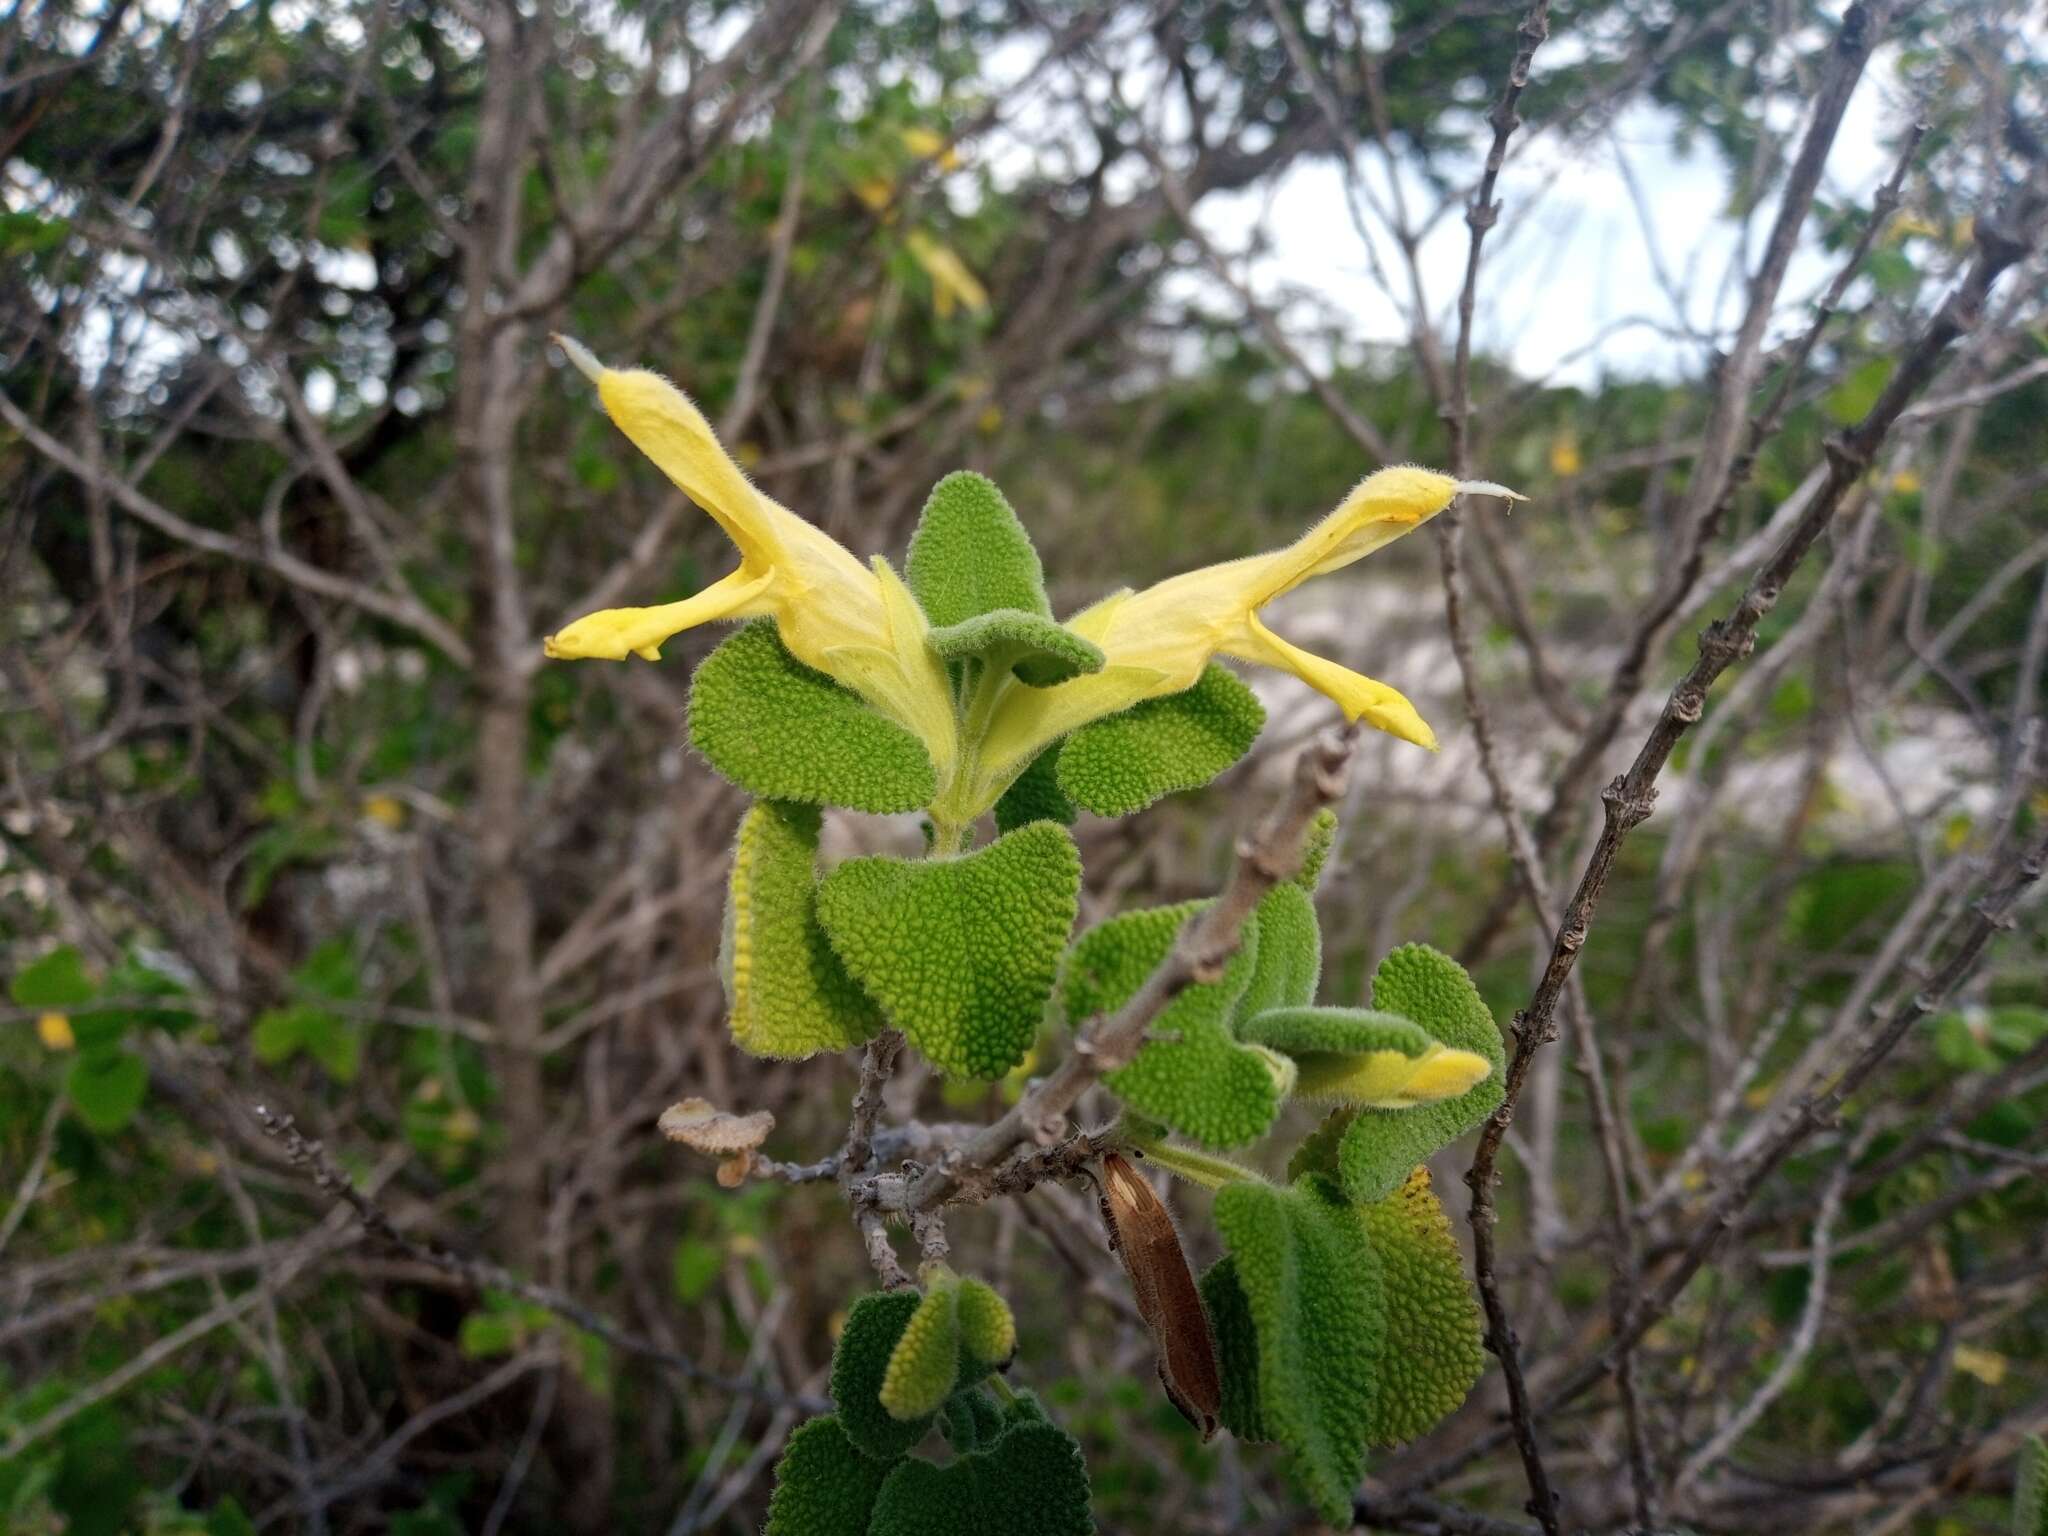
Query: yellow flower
[[856, 623], [928, 145], [54, 1030], [1157, 642], [951, 279]]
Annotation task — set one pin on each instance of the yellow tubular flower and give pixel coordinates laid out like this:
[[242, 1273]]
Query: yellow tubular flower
[[1158, 641], [858, 624]]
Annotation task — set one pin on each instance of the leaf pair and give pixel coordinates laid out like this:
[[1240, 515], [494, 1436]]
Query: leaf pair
[[960, 1332], [1338, 1326], [850, 1473], [959, 954]]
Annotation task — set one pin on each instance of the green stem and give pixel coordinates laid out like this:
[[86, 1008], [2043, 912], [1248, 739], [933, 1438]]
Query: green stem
[[948, 837]]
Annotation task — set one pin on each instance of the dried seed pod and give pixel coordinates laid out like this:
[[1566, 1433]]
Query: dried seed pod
[[1143, 1236]]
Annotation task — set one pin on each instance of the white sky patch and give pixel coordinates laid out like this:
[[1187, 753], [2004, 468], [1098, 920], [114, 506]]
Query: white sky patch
[[1570, 287]]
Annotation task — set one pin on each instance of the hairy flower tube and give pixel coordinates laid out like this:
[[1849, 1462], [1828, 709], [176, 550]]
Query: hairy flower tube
[[856, 623]]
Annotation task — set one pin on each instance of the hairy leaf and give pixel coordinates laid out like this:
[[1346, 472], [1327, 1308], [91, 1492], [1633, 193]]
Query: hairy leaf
[[1192, 1075], [988, 1330], [926, 1360], [1434, 1349], [971, 555], [960, 953], [823, 1485], [1035, 796], [1126, 762], [860, 1360], [1038, 650], [1031, 1482], [2030, 1489], [1300, 1318], [1290, 955], [783, 731], [790, 996]]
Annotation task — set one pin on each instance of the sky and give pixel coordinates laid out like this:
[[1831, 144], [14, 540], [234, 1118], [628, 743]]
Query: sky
[[1569, 260]]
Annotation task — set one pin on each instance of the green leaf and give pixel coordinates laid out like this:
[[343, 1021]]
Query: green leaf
[[56, 981], [2030, 1489], [823, 1485], [107, 1088], [227, 1518], [1434, 1338], [970, 1420], [1851, 400], [859, 1362], [790, 997], [783, 731], [1193, 1075], [988, 1329], [1031, 1482], [926, 1360], [970, 555], [960, 953], [1380, 1146], [487, 1335], [1299, 1312], [330, 1039], [1290, 955], [1126, 762], [1038, 650], [1316, 846], [1035, 796], [30, 234], [1310, 1032]]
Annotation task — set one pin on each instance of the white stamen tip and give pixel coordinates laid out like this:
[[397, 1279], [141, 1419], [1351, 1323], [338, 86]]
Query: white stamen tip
[[582, 357], [1488, 488]]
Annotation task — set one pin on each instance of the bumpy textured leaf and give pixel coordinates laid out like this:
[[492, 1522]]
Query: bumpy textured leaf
[[859, 1362], [1038, 650], [1434, 1348], [1290, 955], [960, 953], [2030, 1490], [1110, 961], [926, 1360], [970, 1420], [1194, 1075], [1035, 796], [988, 1330], [783, 731], [1380, 1146], [1300, 1319], [1306, 1032], [970, 555], [1162, 746], [1031, 1482], [790, 996], [823, 1486], [1316, 847]]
